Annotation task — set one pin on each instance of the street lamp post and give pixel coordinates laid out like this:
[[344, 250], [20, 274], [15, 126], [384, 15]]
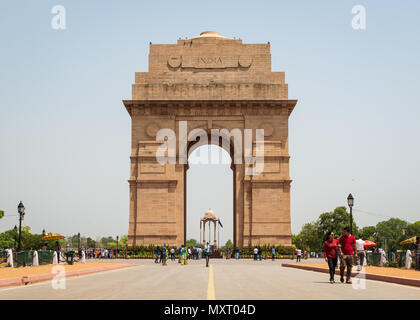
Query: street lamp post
[[350, 202], [21, 211], [15, 233], [116, 255], [78, 241]]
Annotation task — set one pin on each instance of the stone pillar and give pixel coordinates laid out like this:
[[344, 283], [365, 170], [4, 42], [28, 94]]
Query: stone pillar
[[215, 241], [204, 233]]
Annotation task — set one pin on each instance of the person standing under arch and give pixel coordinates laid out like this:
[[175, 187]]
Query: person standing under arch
[[207, 250]]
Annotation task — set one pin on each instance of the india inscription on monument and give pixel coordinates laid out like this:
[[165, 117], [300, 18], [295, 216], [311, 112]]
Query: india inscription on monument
[[209, 82]]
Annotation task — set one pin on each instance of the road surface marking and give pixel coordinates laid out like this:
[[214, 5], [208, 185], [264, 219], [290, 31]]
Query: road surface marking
[[210, 288]]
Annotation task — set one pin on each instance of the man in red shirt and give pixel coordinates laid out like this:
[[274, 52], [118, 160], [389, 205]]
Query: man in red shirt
[[347, 247]]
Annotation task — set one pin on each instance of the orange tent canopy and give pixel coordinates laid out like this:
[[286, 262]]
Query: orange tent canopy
[[369, 243]]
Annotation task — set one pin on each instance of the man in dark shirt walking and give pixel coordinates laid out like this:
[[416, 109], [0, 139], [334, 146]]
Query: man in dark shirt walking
[[157, 254], [347, 247]]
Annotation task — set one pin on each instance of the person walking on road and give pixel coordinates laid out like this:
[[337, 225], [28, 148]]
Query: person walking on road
[[330, 254], [361, 252], [172, 254], [273, 253], [298, 254], [259, 253], [164, 253], [347, 247], [255, 253], [207, 250]]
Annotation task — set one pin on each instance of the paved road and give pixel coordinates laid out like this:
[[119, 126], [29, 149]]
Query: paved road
[[225, 279]]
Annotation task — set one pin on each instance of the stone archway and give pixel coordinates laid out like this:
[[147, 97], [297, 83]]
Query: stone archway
[[209, 82], [229, 148]]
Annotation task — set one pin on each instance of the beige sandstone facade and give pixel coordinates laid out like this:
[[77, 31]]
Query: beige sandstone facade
[[212, 83]]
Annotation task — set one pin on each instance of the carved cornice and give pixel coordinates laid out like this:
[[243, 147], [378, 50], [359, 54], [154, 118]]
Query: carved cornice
[[209, 107]]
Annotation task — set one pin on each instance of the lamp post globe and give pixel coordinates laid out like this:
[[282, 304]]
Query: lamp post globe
[[21, 208], [350, 202]]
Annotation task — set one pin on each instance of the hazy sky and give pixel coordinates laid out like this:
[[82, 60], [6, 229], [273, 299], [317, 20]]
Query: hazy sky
[[65, 134]]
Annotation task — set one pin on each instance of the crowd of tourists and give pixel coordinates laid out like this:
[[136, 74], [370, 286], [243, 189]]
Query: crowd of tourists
[[183, 253], [92, 253], [257, 253]]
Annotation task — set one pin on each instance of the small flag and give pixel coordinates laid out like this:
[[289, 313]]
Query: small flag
[[220, 224]]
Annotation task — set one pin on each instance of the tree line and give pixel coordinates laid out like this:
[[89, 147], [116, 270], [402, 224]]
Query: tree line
[[385, 234], [9, 239]]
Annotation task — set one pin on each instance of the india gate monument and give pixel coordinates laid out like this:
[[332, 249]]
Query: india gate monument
[[209, 84]]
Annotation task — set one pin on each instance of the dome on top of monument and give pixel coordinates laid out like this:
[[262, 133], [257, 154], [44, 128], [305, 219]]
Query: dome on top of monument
[[210, 34], [210, 215]]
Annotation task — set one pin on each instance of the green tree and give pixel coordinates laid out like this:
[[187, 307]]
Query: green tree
[[123, 241], [1, 214], [368, 233], [228, 244], [413, 229], [335, 222], [295, 239], [7, 239], [106, 240], [25, 235], [111, 245], [33, 242], [310, 237], [74, 241], [90, 242], [389, 233], [192, 243]]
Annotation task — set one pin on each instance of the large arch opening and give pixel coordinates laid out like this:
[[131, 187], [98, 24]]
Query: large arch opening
[[210, 185]]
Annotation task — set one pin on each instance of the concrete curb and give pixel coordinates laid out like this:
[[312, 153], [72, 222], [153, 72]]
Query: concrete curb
[[369, 276], [10, 282], [25, 280]]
